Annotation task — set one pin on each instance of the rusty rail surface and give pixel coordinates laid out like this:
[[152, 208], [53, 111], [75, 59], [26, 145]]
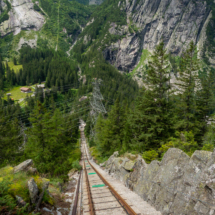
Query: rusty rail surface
[[74, 210], [92, 211], [123, 203]]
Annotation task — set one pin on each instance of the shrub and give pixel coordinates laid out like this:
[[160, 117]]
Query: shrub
[[184, 141], [149, 156], [208, 147], [5, 198], [8, 202], [76, 165]]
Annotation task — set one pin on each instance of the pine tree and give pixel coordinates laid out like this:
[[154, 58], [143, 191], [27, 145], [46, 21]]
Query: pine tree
[[10, 138], [14, 61], [205, 102], [109, 132], [47, 142], [188, 82], [151, 120]]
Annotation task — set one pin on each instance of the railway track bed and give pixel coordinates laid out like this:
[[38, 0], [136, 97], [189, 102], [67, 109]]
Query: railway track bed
[[99, 197], [101, 194], [103, 200]]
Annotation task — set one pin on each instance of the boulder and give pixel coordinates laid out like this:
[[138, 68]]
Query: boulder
[[32, 170], [129, 165], [110, 160], [71, 173], [33, 190], [20, 201], [45, 183], [24, 166]]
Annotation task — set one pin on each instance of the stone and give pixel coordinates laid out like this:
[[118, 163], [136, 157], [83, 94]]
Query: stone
[[109, 161], [20, 201], [32, 170], [45, 183], [82, 98], [129, 165], [178, 185], [33, 190], [23, 166]]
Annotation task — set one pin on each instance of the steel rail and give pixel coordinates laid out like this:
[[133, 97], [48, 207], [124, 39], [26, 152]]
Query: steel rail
[[74, 210], [123, 203], [92, 211]]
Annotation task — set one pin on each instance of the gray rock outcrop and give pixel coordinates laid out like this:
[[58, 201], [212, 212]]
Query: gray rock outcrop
[[178, 185], [23, 166], [177, 22], [32, 170], [33, 190], [20, 201], [22, 16]]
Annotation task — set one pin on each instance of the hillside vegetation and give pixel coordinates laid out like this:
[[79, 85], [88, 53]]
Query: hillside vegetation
[[162, 116]]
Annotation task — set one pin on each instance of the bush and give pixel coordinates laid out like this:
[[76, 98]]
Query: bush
[[5, 198], [4, 17], [76, 165], [208, 147], [8, 202], [184, 141], [149, 156]]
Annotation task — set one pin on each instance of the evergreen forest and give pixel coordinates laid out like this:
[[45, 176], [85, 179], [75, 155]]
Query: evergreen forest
[[61, 70], [162, 115]]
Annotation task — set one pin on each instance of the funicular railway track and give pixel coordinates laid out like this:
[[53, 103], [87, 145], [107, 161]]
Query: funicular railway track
[[99, 197]]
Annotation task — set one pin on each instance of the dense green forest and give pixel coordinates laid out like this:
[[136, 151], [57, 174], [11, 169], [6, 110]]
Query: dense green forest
[[146, 121], [60, 100], [162, 116]]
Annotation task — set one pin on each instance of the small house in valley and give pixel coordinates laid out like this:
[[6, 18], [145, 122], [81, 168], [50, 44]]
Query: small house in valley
[[25, 89], [40, 86]]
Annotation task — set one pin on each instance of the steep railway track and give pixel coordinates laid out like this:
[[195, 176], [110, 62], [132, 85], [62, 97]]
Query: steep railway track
[[99, 196]]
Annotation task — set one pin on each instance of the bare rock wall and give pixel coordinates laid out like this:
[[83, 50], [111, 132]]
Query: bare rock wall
[[178, 185]]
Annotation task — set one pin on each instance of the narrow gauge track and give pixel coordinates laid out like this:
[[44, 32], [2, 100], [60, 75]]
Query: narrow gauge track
[[99, 197]]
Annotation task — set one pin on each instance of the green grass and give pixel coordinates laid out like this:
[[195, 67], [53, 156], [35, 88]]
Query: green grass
[[144, 56], [16, 93], [16, 68]]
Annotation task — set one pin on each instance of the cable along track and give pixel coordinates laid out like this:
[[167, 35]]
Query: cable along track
[[99, 197]]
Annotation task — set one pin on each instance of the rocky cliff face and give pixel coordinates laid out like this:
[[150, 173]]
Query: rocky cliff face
[[177, 22], [178, 185], [22, 16]]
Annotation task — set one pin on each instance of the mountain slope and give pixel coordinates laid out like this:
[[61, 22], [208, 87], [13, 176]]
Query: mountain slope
[[145, 23], [47, 22], [21, 16]]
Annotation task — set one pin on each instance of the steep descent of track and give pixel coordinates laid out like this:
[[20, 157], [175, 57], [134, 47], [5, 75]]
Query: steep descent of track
[[99, 197]]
